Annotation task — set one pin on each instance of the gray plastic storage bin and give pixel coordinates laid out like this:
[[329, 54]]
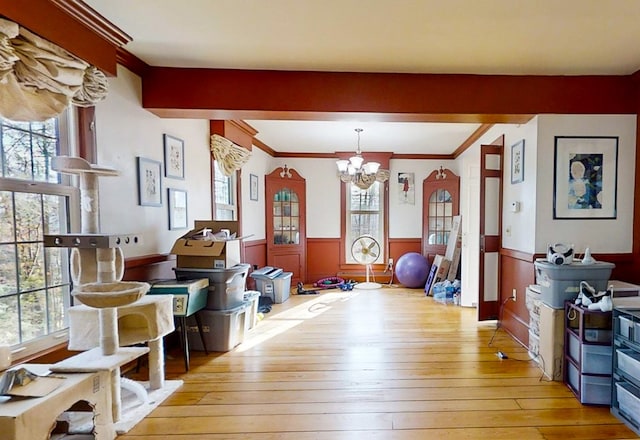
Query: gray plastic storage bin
[[559, 283], [273, 283], [253, 298], [226, 286], [222, 330]]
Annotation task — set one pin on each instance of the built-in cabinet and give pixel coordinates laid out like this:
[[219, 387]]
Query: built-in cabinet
[[441, 202], [625, 391], [285, 205]]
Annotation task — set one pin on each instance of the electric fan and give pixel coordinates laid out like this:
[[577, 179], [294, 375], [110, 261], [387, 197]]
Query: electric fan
[[366, 250]]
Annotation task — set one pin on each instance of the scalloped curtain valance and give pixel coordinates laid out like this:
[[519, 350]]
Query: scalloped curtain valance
[[230, 156], [39, 79]]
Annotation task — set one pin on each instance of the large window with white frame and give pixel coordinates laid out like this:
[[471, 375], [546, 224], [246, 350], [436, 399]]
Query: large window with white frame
[[364, 216], [224, 195], [34, 200]]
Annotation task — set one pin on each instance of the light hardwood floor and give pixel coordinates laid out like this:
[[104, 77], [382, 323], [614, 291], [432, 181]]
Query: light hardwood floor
[[387, 364]]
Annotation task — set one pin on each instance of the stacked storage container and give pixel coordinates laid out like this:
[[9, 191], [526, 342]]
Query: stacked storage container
[[223, 319]]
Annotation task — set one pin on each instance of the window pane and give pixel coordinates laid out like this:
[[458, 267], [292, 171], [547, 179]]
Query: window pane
[[57, 267], [6, 217], [8, 275], [28, 212], [54, 211], [33, 314], [58, 305], [31, 266], [9, 324], [17, 154]]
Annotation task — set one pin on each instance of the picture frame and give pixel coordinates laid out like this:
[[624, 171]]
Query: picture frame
[[517, 162], [149, 182], [585, 177], [253, 187], [173, 157], [177, 206], [406, 188]]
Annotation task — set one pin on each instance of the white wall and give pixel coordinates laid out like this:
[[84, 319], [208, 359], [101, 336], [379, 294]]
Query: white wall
[[124, 131], [518, 228], [253, 212], [405, 220], [605, 236]]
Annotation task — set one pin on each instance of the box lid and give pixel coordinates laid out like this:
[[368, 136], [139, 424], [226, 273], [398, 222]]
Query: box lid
[[171, 286]]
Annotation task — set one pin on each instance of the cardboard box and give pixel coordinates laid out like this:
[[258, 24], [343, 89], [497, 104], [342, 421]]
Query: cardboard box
[[454, 247], [207, 254], [551, 348], [438, 272]]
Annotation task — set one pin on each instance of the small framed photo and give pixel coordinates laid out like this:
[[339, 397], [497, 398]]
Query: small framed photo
[[517, 162], [173, 157], [253, 187], [177, 208], [585, 177], [149, 182]]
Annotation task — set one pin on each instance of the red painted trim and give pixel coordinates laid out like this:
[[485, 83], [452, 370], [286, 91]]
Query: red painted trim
[[69, 25]]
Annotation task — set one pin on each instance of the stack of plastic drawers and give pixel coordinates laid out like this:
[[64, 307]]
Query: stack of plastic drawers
[[588, 354], [223, 319]]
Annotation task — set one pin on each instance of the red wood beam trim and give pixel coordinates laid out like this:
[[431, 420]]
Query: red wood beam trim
[[168, 91], [71, 25], [237, 132], [471, 139], [264, 147], [131, 62]]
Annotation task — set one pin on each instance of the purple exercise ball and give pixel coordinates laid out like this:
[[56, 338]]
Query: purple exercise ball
[[412, 270]]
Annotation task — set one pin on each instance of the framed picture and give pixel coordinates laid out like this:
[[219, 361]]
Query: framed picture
[[585, 177], [149, 182], [173, 157], [177, 203], [406, 188], [253, 187], [517, 162]]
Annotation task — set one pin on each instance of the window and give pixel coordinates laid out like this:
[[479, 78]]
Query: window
[[364, 215], [34, 280], [224, 190]]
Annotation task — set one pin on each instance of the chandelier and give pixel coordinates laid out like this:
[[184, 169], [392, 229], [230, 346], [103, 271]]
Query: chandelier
[[356, 171]]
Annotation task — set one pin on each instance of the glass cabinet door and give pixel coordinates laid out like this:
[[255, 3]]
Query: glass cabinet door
[[440, 217], [286, 217]]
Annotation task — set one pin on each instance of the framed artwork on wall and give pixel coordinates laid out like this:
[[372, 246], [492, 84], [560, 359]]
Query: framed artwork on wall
[[585, 177], [253, 187], [177, 203], [173, 157], [406, 188], [517, 162], [149, 182]]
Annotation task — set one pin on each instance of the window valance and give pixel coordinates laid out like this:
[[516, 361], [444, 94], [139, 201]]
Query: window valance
[[39, 79], [230, 156]]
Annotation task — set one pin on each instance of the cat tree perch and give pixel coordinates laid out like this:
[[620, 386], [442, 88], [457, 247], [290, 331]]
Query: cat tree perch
[[97, 267]]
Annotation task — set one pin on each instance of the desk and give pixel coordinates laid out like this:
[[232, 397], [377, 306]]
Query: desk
[[33, 418], [189, 297]]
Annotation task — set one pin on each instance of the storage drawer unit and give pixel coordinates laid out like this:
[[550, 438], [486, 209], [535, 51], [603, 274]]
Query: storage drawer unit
[[588, 355], [625, 392]]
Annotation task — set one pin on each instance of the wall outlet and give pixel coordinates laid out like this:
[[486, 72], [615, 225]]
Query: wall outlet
[[513, 294], [390, 265]]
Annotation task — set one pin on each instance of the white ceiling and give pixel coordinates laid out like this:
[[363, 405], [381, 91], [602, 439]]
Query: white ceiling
[[541, 37]]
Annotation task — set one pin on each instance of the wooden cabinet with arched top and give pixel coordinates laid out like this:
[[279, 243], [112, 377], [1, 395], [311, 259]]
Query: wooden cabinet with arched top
[[440, 203], [286, 235]]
